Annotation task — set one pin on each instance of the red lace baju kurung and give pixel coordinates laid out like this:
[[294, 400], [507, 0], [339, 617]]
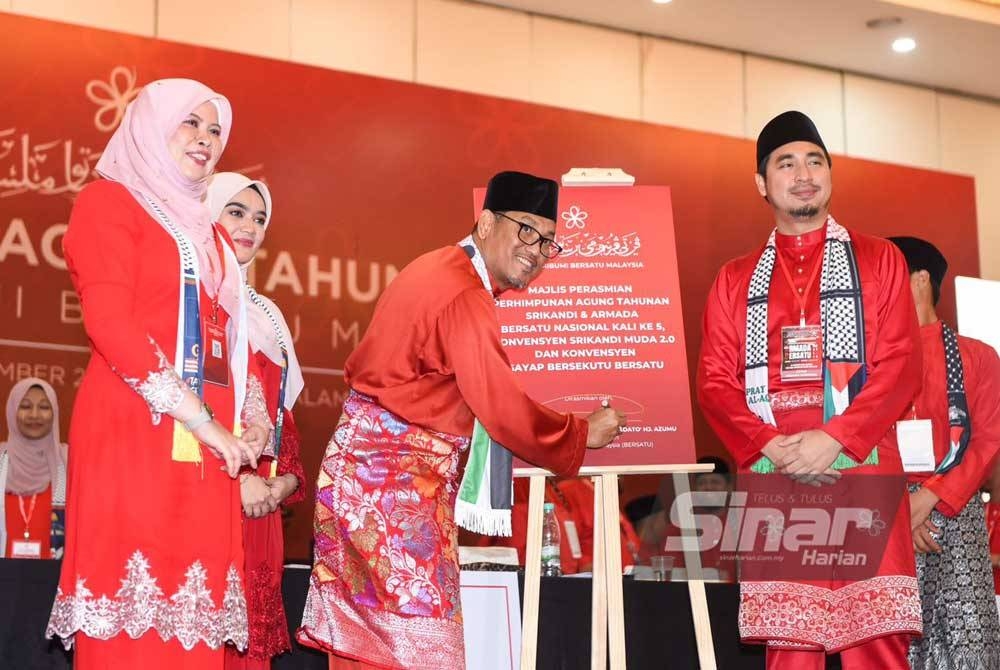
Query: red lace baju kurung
[[385, 586], [263, 543], [154, 548], [831, 615]]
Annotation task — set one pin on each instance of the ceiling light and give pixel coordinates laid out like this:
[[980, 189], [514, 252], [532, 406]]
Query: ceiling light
[[904, 45], [660, 2]]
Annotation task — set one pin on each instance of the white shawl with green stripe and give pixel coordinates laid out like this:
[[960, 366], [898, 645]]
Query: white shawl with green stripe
[[486, 494]]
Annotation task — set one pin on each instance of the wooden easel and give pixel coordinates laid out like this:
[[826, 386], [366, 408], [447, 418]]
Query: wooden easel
[[607, 639]]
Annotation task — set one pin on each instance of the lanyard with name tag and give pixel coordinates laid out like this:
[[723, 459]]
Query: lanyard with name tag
[[26, 548], [916, 444], [801, 345], [801, 353], [215, 345]]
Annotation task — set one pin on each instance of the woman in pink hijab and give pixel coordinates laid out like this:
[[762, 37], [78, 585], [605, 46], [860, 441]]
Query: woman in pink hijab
[[32, 473], [152, 571]]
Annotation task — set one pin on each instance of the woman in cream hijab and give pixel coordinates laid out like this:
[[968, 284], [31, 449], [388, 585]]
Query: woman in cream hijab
[[243, 208]]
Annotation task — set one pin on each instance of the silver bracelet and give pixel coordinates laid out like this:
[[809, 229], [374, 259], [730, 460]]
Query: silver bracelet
[[199, 419]]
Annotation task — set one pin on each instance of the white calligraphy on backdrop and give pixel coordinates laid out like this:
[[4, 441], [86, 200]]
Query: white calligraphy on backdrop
[[52, 167]]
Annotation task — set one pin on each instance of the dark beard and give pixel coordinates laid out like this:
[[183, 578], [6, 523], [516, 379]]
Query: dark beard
[[516, 284], [804, 212]]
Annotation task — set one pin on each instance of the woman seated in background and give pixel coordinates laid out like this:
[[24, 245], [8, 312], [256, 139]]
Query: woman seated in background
[[32, 474]]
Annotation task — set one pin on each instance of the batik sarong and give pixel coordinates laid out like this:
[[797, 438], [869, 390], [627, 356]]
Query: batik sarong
[[961, 628]]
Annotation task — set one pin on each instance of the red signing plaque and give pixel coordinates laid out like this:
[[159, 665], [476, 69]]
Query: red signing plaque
[[603, 320]]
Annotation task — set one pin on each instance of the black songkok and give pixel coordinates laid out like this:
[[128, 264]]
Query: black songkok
[[922, 255], [784, 128], [520, 192]]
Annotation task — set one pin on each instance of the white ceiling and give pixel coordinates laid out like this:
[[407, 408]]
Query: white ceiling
[[953, 53]]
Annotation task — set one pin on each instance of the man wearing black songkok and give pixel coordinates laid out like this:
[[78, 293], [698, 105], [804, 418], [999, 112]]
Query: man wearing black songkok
[[810, 352], [961, 399], [429, 374]]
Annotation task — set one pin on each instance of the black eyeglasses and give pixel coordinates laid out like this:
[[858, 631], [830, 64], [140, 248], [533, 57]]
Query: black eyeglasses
[[529, 235]]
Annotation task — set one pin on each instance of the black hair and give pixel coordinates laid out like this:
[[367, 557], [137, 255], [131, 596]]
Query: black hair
[[257, 191], [721, 466], [762, 166]]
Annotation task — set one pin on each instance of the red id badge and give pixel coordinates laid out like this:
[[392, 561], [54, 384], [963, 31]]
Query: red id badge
[[216, 367], [801, 353]]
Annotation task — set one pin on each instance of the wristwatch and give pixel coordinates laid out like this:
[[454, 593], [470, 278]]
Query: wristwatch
[[199, 419]]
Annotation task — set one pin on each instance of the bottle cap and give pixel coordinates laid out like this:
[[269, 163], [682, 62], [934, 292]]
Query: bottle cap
[[548, 507]]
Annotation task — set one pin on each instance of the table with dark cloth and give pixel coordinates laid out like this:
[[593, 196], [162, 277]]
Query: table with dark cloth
[[659, 631]]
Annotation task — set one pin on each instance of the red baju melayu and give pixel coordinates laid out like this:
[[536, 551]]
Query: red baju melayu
[[982, 390], [153, 545], [385, 586], [832, 615], [264, 544]]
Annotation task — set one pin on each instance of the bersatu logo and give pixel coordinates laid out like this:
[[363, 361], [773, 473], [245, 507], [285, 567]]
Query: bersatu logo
[[574, 218]]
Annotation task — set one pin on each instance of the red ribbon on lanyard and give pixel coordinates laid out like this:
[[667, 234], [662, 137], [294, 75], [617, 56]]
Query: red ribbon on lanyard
[[222, 262], [31, 512], [800, 295]]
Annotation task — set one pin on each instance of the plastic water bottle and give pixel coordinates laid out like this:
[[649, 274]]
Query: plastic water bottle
[[551, 566]]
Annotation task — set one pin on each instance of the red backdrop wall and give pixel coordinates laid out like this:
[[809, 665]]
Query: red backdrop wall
[[366, 174]]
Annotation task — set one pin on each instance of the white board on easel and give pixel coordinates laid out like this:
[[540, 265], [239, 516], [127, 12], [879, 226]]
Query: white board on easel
[[604, 320]]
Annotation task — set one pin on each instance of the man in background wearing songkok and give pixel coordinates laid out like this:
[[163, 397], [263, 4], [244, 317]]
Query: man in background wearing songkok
[[429, 373], [844, 296], [952, 442]]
